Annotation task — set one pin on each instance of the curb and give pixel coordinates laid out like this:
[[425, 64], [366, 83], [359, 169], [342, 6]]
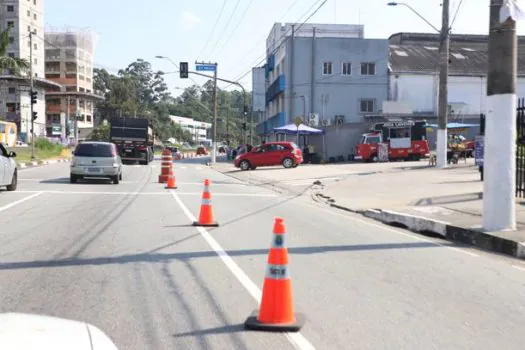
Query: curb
[[24, 165], [425, 226]]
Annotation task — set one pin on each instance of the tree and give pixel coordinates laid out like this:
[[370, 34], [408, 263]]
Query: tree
[[15, 64]]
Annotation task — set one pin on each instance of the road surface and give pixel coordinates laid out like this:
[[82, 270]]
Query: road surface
[[125, 259]]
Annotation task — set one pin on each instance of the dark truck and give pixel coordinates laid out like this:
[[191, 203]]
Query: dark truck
[[134, 139]]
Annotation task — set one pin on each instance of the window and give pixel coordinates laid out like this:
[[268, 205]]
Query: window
[[11, 39], [11, 90], [367, 106], [35, 61], [327, 68], [368, 68], [35, 46], [11, 54], [34, 31], [10, 24], [34, 2], [346, 68], [28, 13], [94, 150], [10, 8], [28, 28], [34, 16]]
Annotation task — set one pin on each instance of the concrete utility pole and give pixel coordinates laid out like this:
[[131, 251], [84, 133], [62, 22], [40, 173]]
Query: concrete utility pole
[[444, 43], [214, 101], [499, 185], [32, 85]]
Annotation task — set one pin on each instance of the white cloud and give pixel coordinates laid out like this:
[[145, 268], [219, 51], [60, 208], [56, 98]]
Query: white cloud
[[189, 19]]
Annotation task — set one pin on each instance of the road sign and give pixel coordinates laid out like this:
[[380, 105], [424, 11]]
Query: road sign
[[298, 121], [205, 67]]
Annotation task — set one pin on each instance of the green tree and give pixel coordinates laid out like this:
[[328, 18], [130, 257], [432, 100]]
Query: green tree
[[15, 64]]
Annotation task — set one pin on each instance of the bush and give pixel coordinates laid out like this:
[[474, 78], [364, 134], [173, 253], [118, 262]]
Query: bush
[[44, 144]]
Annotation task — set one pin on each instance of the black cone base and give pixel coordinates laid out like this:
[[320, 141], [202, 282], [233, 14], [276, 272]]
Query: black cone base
[[253, 324]]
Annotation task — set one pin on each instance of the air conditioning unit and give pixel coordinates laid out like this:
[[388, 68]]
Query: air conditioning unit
[[325, 122], [313, 120], [339, 119]]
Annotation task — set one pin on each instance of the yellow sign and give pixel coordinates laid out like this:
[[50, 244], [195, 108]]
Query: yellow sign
[[298, 121]]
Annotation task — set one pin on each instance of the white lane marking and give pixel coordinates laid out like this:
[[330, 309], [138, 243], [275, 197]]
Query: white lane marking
[[155, 193], [184, 167], [297, 339], [198, 168], [386, 228], [10, 205], [213, 183], [522, 268], [67, 180]]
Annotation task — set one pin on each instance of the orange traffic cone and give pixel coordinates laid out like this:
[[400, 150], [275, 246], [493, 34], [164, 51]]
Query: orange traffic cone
[[276, 312], [206, 214], [171, 182]]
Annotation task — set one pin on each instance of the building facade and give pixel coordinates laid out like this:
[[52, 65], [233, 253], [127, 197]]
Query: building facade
[[23, 17], [328, 75], [69, 62], [258, 95], [199, 130]]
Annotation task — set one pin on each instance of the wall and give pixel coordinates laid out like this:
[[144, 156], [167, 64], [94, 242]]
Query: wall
[[421, 91], [258, 89]]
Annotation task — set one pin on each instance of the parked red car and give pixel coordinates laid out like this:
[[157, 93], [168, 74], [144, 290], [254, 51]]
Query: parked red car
[[272, 153]]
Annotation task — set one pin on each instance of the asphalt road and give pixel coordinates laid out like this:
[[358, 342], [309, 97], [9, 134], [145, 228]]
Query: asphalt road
[[124, 258]]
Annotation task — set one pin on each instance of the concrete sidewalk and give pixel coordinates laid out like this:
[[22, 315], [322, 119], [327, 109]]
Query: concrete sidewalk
[[443, 202]]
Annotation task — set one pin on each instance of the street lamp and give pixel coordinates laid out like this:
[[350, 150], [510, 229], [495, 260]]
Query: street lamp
[[393, 3]]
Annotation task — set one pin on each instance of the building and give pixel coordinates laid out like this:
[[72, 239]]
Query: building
[[414, 75], [258, 96], [23, 17], [69, 62], [330, 76], [199, 130]]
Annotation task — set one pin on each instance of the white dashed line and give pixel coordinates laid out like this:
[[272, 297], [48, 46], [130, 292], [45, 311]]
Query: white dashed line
[[10, 205]]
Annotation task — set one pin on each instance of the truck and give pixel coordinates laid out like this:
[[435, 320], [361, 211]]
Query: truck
[[133, 138], [393, 140]]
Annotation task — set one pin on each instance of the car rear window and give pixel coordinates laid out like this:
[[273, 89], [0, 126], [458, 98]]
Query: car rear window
[[94, 150]]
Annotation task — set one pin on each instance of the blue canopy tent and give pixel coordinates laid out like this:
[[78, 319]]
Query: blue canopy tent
[[453, 126], [305, 130]]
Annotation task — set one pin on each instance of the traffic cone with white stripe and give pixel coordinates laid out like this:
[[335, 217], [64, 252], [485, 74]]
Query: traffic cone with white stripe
[[171, 181], [206, 214], [276, 312]]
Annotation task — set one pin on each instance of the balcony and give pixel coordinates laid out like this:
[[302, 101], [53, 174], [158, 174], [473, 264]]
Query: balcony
[[276, 121], [276, 88]]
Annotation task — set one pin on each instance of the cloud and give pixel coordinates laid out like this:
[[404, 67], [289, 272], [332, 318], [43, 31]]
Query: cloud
[[189, 19]]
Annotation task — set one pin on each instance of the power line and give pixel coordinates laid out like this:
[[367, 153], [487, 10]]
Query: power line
[[226, 26], [236, 26], [456, 14], [213, 30]]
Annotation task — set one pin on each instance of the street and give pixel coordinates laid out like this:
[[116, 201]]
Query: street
[[126, 259]]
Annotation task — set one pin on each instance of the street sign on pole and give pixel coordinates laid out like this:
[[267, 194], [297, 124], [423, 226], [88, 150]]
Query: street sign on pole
[[205, 67], [298, 121]]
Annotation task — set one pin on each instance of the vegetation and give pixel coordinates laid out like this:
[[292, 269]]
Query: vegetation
[[44, 149], [139, 91], [15, 64]]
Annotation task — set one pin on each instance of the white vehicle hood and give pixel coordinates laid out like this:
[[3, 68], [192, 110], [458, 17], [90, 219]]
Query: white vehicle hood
[[20, 331]]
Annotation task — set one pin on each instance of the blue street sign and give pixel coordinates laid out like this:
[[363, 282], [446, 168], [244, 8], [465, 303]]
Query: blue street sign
[[205, 67]]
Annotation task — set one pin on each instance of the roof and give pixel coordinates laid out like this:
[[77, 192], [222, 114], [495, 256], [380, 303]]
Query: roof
[[465, 59]]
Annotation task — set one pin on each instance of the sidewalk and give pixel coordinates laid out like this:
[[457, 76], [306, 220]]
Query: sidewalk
[[444, 202]]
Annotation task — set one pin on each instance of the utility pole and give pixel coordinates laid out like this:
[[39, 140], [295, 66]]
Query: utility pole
[[32, 85], [68, 132], [499, 178], [214, 101], [444, 43]]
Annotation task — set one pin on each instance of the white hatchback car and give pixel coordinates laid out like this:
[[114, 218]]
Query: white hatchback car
[[8, 172], [96, 160]]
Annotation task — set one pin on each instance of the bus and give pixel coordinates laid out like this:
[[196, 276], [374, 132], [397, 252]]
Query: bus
[[8, 133]]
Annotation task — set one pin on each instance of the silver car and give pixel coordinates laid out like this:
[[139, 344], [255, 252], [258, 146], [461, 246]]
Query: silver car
[[96, 160]]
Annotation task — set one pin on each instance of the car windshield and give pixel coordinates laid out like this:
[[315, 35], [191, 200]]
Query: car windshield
[[93, 150]]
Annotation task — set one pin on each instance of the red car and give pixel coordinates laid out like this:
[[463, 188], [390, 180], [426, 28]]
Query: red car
[[271, 153]]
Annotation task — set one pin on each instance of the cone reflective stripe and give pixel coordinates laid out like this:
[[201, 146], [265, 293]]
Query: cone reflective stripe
[[206, 212], [166, 169], [276, 312]]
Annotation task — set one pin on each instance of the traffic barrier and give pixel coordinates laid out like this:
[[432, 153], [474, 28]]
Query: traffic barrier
[[166, 166], [276, 312], [171, 182], [206, 212]]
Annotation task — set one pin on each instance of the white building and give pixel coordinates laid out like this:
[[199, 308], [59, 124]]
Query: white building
[[23, 17], [197, 128], [414, 73]]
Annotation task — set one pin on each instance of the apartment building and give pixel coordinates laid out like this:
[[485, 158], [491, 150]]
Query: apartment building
[[69, 62], [329, 75], [23, 17], [199, 130]]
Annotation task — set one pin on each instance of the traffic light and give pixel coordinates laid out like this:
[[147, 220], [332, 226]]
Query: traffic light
[[183, 69], [244, 126], [33, 97], [35, 116], [245, 111]]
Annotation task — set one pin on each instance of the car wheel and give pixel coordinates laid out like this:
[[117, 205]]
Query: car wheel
[[116, 179], [244, 165], [73, 179], [288, 163], [14, 182], [295, 165]]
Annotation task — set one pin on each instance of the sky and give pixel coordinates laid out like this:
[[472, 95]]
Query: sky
[[185, 30]]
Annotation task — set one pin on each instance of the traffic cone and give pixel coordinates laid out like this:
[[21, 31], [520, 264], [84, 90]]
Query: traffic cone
[[171, 182], [276, 312], [206, 214]]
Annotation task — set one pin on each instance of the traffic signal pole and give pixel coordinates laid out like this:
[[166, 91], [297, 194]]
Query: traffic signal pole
[[31, 82]]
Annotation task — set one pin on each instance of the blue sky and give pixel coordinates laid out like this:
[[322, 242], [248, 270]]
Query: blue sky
[[180, 29]]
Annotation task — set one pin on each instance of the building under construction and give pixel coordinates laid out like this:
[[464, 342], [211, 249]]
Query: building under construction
[[69, 61]]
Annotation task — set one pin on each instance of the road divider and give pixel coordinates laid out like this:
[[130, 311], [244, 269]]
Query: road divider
[[276, 311], [166, 169]]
